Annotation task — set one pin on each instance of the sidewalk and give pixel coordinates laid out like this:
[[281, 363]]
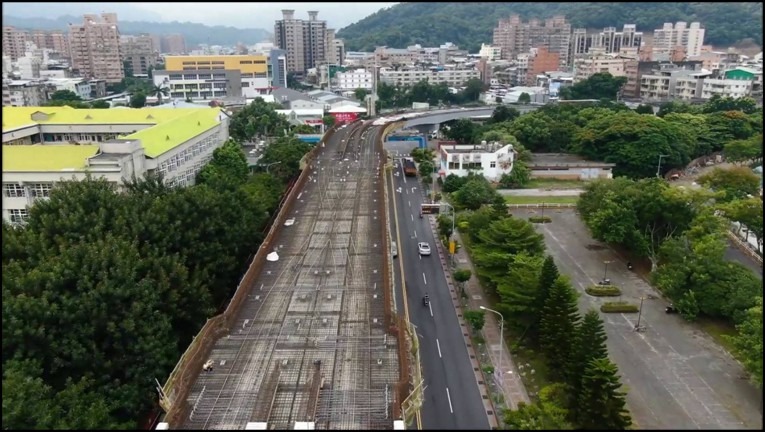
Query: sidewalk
[[513, 388]]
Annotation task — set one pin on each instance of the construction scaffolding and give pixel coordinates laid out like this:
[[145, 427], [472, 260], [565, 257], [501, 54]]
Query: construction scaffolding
[[309, 337]]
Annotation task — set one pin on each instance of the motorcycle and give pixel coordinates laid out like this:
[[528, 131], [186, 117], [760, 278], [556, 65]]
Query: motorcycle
[[425, 301], [629, 266]]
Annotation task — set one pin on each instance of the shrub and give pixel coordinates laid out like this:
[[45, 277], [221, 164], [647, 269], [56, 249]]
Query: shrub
[[603, 291], [618, 307], [540, 219]]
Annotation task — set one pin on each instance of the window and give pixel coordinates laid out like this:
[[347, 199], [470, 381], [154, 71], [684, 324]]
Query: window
[[493, 164], [218, 63], [189, 63], [245, 84], [244, 62], [219, 76], [40, 190], [205, 76], [13, 190], [175, 76], [19, 215], [261, 75], [190, 76]]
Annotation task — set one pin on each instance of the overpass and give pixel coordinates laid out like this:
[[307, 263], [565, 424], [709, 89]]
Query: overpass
[[427, 122]]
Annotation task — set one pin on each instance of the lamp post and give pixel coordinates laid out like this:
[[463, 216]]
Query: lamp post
[[640, 313], [272, 163], [658, 167], [501, 343], [605, 270]]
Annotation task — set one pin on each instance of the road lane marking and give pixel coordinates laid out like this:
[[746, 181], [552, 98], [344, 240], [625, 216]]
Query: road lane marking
[[415, 233], [423, 279], [410, 203], [412, 217], [448, 396], [438, 344], [431, 309]]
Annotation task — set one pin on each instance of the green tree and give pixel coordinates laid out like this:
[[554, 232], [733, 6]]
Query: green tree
[[328, 121], [524, 98], [461, 276], [735, 182], [503, 113], [361, 94], [677, 107], [558, 326], [748, 342], [590, 343], [744, 150], [517, 178], [444, 225], [718, 103], [473, 89], [158, 91], [518, 289], [426, 170], [464, 131], [227, 169], [285, 154], [476, 319], [549, 413], [748, 212], [601, 85], [100, 104], [65, 95], [453, 182], [137, 100], [259, 118], [601, 404], [474, 193], [547, 277], [303, 129], [644, 109]]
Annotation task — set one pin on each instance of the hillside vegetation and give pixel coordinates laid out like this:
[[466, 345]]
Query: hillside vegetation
[[470, 24], [193, 33]]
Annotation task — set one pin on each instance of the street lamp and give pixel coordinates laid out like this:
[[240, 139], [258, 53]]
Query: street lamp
[[658, 167], [454, 216], [272, 163], [640, 313], [605, 272], [501, 343]]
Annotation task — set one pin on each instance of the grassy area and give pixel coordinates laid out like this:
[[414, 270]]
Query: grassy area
[[554, 184], [717, 329], [511, 199]]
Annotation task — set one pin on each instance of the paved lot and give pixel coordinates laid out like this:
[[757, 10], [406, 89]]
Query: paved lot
[[675, 375]]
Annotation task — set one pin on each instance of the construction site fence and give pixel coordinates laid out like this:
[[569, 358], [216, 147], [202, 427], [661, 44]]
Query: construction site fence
[[543, 205], [395, 324], [173, 397]]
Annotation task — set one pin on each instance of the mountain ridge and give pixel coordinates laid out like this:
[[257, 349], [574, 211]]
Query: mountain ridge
[[193, 33], [470, 24]]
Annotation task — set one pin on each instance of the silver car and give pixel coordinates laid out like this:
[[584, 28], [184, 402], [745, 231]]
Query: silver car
[[424, 248]]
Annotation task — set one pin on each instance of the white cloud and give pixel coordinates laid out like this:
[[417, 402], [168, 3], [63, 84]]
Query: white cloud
[[261, 15]]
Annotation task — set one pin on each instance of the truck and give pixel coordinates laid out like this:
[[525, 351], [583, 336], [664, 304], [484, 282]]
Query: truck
[[410, 169]]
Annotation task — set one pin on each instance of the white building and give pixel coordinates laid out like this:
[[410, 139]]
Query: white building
[[452, 77], [29, 66], [668, 37], [491, 52], [492, 160], [597, 61], [734, 88], [352, 80], [45, 145], [79, 86]]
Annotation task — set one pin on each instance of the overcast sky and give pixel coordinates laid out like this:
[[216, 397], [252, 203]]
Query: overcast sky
[[261, 15]]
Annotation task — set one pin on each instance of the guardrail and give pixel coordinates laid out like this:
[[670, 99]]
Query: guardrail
[[745, 247], [176, 389], [543, 205]]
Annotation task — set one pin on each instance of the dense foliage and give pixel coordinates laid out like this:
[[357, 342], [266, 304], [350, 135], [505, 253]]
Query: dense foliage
[[601, 85], [397, 96], [258, 120], [103, 290], [470, 24]]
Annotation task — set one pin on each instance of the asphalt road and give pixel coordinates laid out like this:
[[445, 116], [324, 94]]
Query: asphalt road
[[451, 398], [676, 376]]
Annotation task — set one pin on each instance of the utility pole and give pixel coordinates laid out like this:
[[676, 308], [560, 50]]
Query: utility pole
[[658, 167]]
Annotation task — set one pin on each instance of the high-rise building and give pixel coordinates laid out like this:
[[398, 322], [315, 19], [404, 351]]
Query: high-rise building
[[138, 54], [305, 41], [95, 47], [173, 44], [14, 42], [667, 38], [516, 37], [53, 40], [335, 48], [277, 66], [607, 41]]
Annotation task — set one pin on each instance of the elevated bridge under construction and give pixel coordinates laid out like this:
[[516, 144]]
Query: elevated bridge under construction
[[310, 339]]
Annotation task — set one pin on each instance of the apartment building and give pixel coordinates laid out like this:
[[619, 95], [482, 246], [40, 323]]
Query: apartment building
[[385, 56], [14, 42], [335, 48], [53, 40], [95, 47], [29, 66], [608, 41], [253, 70], [541, 60], [634, 70], [515, 37], [490, 52], [410, 77], [44, 145], [691, 38], [173, 44], [277, 67], [20, 93], [138, 53], [305, 41], [598, 61], [353, 79]]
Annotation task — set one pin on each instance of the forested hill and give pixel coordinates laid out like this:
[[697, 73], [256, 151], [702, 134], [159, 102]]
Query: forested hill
[[470, 24]]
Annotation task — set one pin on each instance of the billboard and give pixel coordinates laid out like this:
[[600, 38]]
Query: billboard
[[345, 117]]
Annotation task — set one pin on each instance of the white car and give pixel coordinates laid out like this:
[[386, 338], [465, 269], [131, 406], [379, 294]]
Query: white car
[[424, 248]]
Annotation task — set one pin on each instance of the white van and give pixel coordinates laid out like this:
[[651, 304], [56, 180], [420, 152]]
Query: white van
[[393, 249]]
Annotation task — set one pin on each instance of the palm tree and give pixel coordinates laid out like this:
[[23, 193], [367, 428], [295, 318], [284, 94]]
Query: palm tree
[[159, 91]]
